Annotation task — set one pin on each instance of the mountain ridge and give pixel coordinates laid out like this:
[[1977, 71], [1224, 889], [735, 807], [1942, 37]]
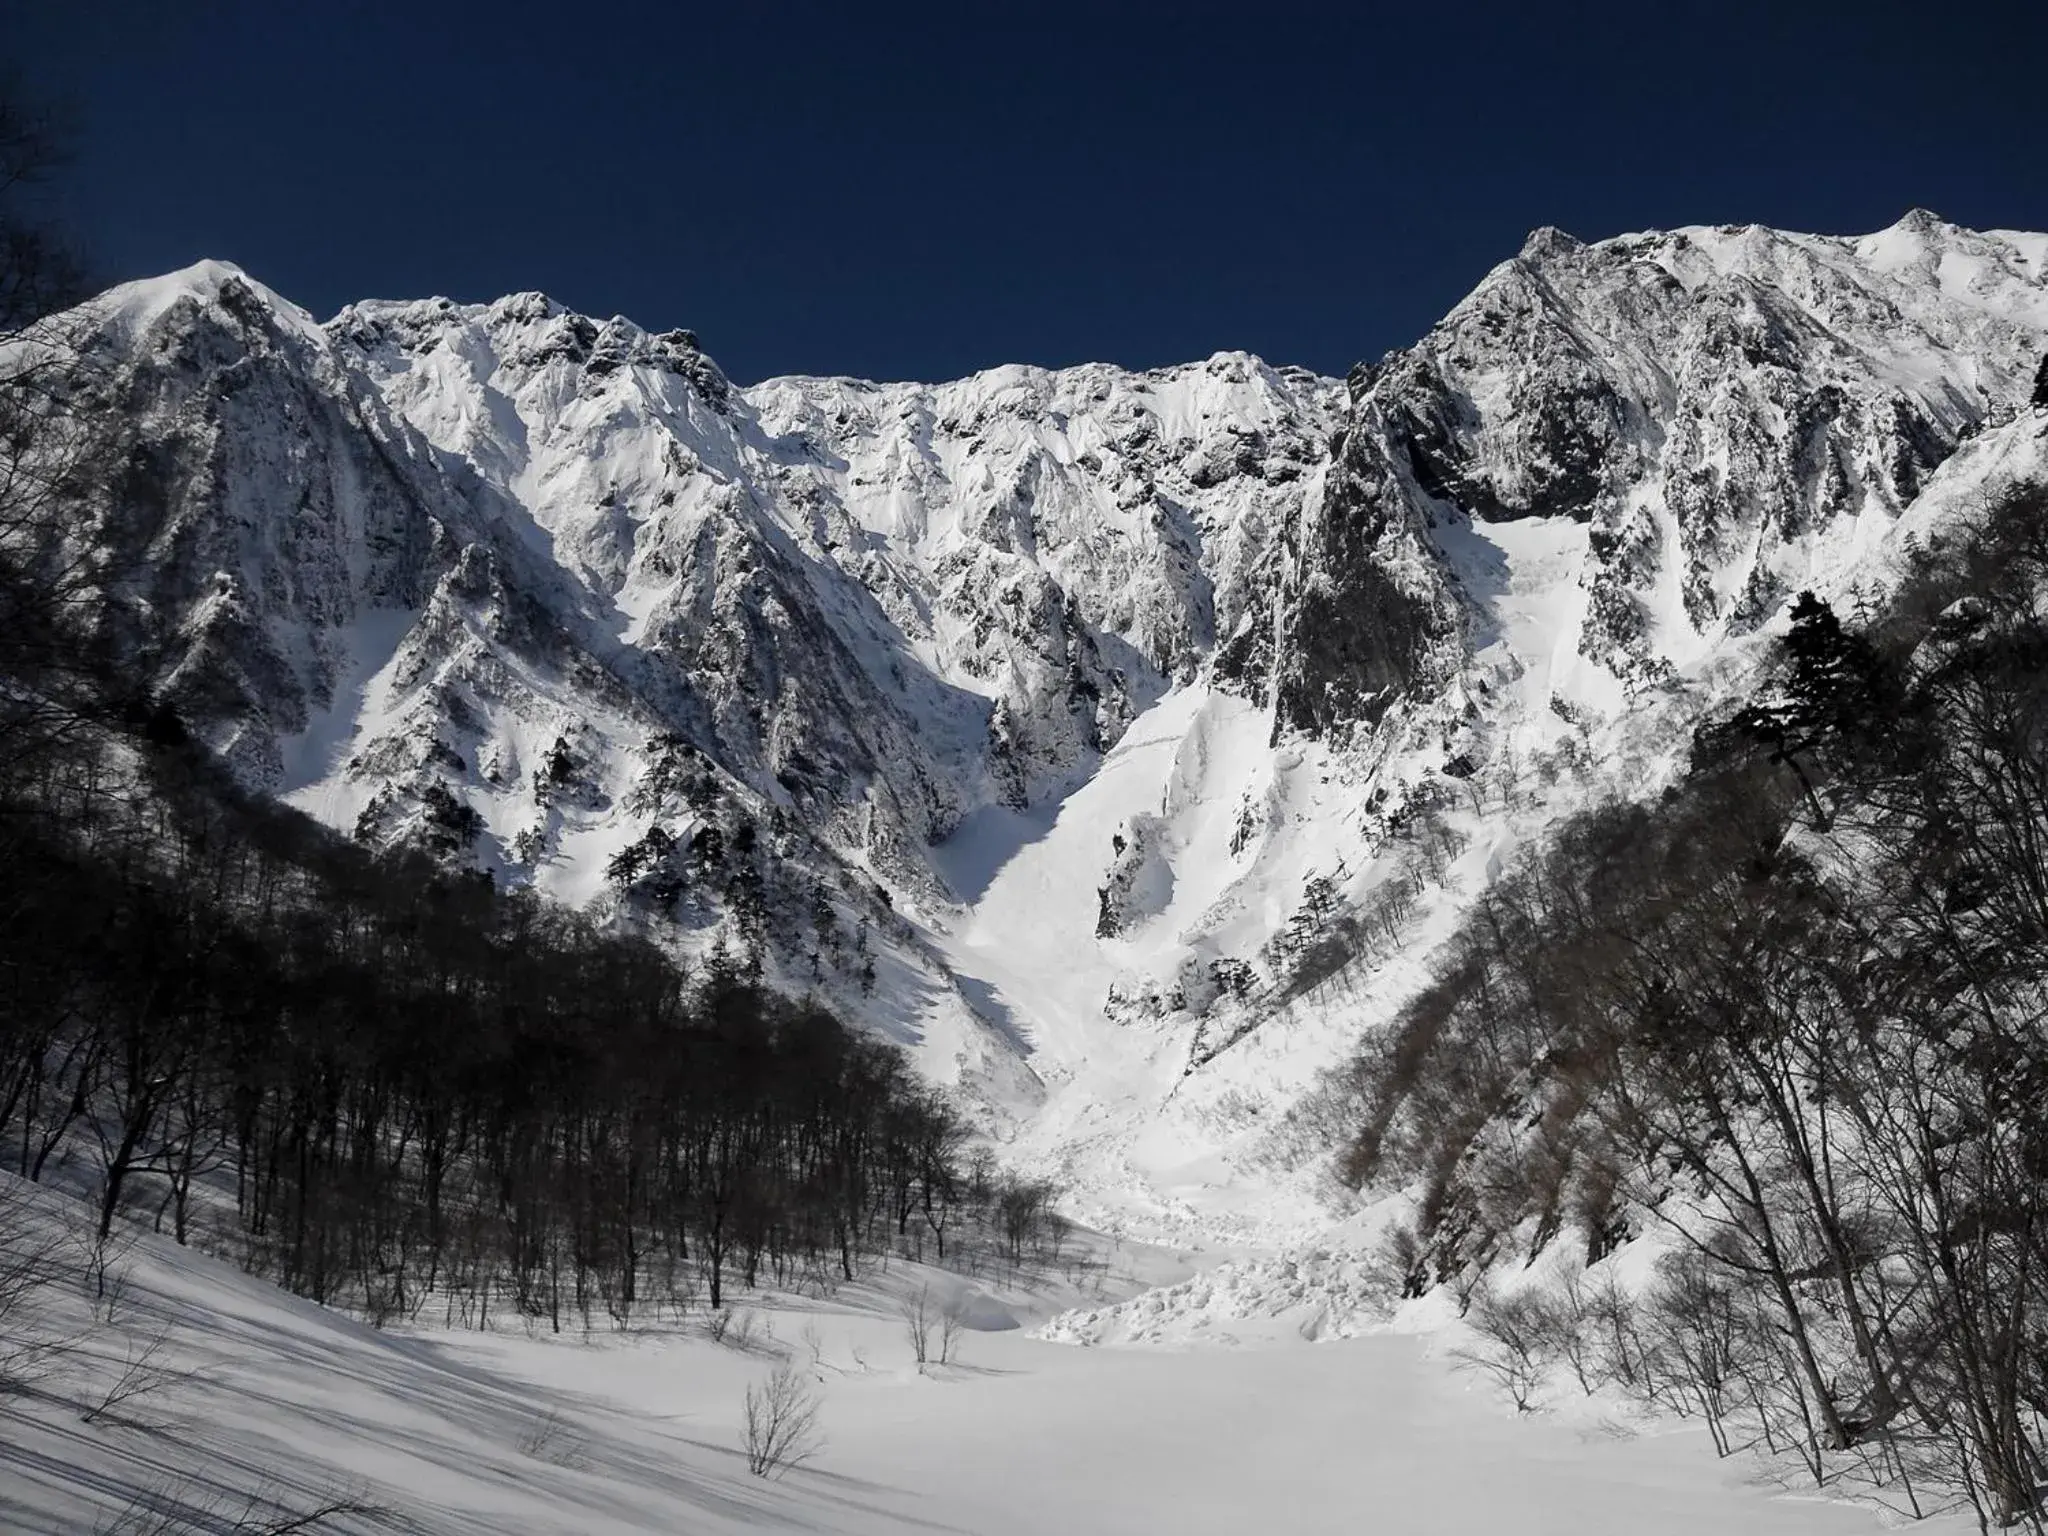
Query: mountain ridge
[[554, 597]]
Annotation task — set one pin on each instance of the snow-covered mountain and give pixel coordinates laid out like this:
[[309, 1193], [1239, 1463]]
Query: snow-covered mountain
[[1048, 720]]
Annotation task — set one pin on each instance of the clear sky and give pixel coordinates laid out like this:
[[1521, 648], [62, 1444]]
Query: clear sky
[[916, 191]]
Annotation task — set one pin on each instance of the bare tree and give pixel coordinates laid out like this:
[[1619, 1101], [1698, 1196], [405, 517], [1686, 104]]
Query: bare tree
[[50, 451], [736, 1330], [176, 1507], [952, 1321], [31, 1259], [549, 1438], [143, 1373], [102, 1266], [1512, 1344], [781, 1422], [916, 1312], [39, 273]]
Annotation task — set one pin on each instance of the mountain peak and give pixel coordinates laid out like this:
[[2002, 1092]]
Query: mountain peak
[[133, 307], [1548, 242], [528, 307]]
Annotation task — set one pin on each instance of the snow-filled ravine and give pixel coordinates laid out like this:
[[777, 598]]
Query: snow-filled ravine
[[1132, 1140], [269, 1406]]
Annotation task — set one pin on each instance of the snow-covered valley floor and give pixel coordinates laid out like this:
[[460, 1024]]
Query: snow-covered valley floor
[[267, 1396]]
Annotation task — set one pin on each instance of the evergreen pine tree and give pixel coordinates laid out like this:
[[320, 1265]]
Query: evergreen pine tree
[[1836, 696]]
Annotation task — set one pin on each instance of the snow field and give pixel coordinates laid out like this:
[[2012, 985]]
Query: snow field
[[271, 1399]]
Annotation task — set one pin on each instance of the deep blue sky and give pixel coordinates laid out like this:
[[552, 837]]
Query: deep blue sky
[[916, 191]]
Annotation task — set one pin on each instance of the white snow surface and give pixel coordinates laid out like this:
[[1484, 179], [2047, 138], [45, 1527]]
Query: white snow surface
[[447, 1433]]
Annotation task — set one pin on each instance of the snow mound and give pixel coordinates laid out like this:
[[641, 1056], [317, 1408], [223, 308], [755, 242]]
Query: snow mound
[[1320, 1293]]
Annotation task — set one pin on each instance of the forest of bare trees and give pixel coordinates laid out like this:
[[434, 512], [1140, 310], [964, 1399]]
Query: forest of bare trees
[[1794, 1017], [376, 1079], [384, 1084]]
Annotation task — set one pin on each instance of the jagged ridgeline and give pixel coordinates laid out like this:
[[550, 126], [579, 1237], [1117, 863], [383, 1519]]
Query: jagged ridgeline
[[790, 671], [1790, 1016]]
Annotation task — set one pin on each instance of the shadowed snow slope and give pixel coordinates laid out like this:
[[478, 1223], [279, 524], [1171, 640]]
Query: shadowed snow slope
[[508, 1435]]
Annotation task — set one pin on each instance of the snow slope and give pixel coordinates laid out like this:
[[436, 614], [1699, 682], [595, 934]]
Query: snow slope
[[452, 1434]]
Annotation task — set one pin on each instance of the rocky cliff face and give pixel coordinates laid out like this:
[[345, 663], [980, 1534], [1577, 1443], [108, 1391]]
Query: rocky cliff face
[[557, 598], [1720, 406], [886, 603]]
